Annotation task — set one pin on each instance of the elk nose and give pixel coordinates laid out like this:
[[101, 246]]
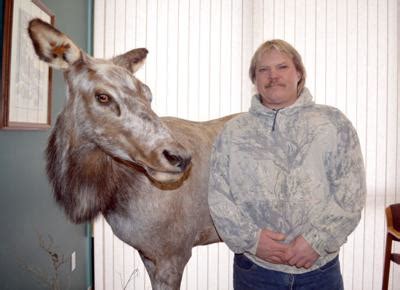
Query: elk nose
[[177, 160]]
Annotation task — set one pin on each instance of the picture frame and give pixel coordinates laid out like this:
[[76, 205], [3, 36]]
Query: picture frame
[[25, 100]]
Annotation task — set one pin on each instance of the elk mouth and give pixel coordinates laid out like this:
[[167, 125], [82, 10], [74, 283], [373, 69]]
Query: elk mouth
[[168, 164], [164, 176], [157, 175]]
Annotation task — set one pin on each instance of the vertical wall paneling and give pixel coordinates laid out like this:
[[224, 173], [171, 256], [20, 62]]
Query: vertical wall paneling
[[193, 95], [351, 61], [151, 43], [247, 52], [269, 20], [334, 27], [204, 59], [130, 26], [381, 136], [279, 19], [299, 26], [309, 56], [162, 51], [338, 96], [197, 68], [215, 58], [258, 19], [187, 65], [225, 78], [396, 41], [171, 74], [321, 59], [290, 21], [236, 56]]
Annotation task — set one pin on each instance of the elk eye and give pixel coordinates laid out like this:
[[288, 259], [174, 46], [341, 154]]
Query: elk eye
[[103, 98]]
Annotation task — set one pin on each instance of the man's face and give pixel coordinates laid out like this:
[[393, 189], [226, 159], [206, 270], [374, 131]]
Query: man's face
[[276, 79]]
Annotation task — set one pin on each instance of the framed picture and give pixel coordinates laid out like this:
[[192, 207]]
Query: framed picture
[[25, 101]]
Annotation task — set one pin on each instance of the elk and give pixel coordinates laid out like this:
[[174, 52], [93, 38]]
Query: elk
[[110, 154]]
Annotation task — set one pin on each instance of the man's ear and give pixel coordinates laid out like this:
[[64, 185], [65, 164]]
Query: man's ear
[[299, 75], [131, 60], [52, 46]]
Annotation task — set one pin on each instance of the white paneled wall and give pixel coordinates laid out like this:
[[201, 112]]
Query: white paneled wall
[[197, 67]]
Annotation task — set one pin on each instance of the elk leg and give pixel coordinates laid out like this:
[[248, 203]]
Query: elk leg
[[165, 274]]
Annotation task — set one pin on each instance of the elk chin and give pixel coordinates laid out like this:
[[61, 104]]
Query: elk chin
[[164, 177]]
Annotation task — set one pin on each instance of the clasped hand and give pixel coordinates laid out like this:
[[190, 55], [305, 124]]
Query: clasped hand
[[298, 253]]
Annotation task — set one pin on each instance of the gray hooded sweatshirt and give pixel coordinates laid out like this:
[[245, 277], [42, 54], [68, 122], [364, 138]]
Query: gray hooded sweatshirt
[[298, 171]]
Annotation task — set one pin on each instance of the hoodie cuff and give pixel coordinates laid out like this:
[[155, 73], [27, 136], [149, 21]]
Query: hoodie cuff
[[321, 242], [253, 249], [313, 237]]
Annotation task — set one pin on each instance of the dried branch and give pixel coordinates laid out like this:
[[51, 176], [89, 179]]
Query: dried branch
[[57, 260], [133, 274]]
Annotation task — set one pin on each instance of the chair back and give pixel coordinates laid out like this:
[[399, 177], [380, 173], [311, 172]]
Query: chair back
[[395, 209]]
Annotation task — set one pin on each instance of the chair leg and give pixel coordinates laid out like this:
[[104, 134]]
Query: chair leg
[[386, 269]]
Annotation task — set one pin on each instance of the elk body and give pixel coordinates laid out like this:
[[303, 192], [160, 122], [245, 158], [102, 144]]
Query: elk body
[[110, 154]]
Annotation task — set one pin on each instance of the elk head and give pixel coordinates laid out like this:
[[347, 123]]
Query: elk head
[[108, 107]]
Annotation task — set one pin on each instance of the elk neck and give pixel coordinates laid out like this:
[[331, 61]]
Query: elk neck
[[86, 181]]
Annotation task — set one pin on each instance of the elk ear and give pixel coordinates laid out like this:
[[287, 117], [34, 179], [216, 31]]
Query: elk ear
[[52, 46], [131, 60]]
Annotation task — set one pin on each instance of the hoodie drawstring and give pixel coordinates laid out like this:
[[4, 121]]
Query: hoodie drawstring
[[276, 114]]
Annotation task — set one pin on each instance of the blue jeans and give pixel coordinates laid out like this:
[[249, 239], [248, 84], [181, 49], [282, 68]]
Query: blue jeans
[[249, 276]]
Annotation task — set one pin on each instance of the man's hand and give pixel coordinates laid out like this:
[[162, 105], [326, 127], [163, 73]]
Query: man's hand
[[301, 254], [270, 247]]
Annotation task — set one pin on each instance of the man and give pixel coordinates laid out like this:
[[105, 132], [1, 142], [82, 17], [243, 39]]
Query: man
[[287, 181]]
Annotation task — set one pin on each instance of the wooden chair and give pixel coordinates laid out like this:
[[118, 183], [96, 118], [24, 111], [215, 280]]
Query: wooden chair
[[393, 234]]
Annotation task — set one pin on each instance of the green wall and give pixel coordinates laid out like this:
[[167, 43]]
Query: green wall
[[27, 208]]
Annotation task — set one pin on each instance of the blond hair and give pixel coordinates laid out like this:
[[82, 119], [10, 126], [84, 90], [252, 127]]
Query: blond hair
[[283, 47]]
